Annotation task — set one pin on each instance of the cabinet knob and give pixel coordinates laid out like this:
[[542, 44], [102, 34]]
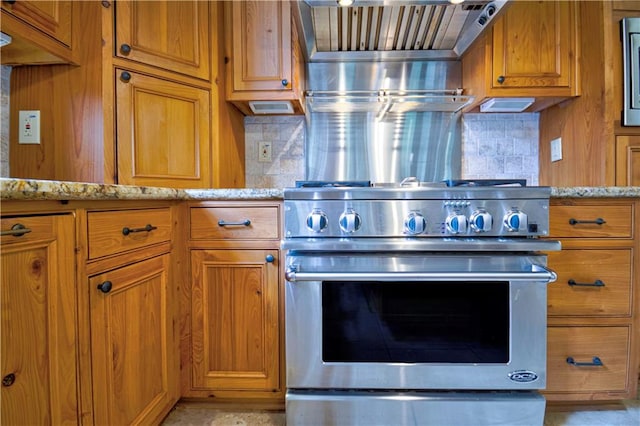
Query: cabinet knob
[[501, 79], [125, 76], [105, 287], [8, 379], [285, 82], [270, 258], [125, 49]]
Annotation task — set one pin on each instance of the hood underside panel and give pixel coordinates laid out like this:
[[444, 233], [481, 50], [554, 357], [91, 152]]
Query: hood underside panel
[[379, 30]]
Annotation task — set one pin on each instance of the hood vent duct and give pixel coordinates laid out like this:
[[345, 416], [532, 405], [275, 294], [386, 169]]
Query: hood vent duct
[[392, 29]]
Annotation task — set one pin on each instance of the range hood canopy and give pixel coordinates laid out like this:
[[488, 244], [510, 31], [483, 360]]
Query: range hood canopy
[[392, 29]]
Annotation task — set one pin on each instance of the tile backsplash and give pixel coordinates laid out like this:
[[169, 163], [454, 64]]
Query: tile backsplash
[[494, 146], [5, 74]]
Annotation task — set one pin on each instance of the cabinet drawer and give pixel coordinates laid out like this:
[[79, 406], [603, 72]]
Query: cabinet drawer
[[609, 344], [611, 269], [242, 223], [39, 227], [618, 221], [107, 234]]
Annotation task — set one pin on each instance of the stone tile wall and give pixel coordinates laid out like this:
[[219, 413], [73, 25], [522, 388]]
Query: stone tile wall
[[494, 146], [5, 73]]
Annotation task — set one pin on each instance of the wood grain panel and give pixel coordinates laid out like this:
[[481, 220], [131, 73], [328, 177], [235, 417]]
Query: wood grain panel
[[628, 160], [618, 221], [585, 266], [173, 151], [106, 236], [69, 98], [52, 17], [134, 368], [263, 223], [610, 344], [173, 35], [39, 343], [235, 333]]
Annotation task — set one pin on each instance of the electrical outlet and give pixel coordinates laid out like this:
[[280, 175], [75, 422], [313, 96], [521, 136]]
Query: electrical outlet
[[556, 149], [29, 130], [264, 152]]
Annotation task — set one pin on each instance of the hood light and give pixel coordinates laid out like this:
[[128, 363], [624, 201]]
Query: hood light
[[456, 1], [506, 104], [345, 3], [4, 39]]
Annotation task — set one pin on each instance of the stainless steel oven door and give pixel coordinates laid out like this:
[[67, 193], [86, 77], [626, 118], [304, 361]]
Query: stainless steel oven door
[[416, 321]]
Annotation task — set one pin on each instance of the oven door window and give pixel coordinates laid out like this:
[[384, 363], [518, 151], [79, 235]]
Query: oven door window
[[415, 322]]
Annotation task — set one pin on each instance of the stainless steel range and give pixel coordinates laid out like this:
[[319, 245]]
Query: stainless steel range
[[416, 305]]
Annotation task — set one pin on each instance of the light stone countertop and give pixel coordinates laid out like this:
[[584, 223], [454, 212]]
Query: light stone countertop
[[30, 189]]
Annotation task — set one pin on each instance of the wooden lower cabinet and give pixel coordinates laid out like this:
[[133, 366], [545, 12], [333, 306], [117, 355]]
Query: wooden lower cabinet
[[593, 322], [628, 160], [39, 331], [134, 369], [235, 325]]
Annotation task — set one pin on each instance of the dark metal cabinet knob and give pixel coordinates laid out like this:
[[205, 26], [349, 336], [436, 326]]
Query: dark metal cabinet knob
[[270, 258], [501, 79], [285, 82], [125, 76], [125, 49], [105, 287]]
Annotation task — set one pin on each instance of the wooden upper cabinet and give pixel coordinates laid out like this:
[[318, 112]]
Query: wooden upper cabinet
[[41, 32], [533, 46], [265, 57], [532, 51], [172, 35], [50, 17], [163, 131]]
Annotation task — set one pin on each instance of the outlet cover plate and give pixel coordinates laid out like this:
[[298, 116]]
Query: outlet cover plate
[[556, 149], [29, 127]]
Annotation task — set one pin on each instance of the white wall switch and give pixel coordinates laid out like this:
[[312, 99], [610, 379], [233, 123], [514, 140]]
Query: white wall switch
[[556, 149], [264, 152], [29, 127]]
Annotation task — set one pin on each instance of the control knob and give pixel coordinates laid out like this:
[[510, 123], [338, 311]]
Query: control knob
[[350, 221], [481, 221], [456, 223], [515, 220], [415, 223], [317, 220]]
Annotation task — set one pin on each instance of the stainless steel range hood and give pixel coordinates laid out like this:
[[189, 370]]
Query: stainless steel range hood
[[380, 30]]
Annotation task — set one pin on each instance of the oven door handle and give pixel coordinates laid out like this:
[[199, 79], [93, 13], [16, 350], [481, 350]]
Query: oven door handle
[[538, 273]]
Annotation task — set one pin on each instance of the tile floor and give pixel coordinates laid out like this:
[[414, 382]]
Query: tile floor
[[194, 414]]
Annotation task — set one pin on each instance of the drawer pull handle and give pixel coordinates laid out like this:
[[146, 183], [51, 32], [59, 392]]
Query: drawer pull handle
[[245, 222], [148, 228], [598, 221], [17, 230], [105, 287], [596, 283], [596, 362]]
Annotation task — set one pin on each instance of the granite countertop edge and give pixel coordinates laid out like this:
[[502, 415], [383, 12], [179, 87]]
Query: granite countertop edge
[[31, 189]]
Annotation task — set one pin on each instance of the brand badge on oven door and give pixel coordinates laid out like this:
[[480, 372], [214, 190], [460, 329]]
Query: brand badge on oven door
[[523, 376]]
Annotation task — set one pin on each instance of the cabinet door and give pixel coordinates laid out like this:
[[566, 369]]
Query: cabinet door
[[52, 17], [235, 340], [628, 160], [172, 35], [39, 342], [163, 132], [133, 350], [533, 45], [261, 35]]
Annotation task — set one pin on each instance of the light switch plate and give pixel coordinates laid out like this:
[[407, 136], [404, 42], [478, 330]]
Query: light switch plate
[[556, 149], [29, 127]]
